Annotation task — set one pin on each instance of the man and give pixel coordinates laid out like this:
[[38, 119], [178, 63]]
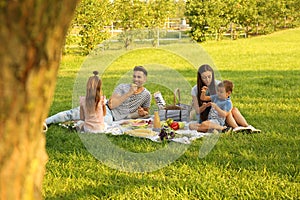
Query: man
[[127, 101], [131, 100]]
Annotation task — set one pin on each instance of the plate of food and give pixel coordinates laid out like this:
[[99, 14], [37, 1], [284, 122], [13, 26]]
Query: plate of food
[[139, 123], [135, 123]]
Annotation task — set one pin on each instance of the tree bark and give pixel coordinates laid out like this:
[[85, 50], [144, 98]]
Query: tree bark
[[32, 33]]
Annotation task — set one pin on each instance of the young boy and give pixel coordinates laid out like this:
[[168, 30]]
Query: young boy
[[221, 106]]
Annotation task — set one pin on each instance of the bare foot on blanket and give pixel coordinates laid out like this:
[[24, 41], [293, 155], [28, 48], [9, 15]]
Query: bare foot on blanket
[[193, 126]]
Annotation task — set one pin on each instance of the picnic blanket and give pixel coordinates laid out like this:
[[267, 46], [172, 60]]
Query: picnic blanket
[[140, 128], [184, 136]]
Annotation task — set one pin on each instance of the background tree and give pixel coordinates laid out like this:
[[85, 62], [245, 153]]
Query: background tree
[[274, 14], [134, 16], [255, 16], [31, 36], [130, 15], [88, 26], [197, 13], [158, 13], [246, 15], [180, 8], [218, 18], [294, 12]]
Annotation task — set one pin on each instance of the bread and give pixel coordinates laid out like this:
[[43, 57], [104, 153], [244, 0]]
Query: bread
[[141, 132]]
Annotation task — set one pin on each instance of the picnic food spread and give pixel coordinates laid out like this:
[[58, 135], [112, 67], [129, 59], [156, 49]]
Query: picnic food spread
[[145, 128]]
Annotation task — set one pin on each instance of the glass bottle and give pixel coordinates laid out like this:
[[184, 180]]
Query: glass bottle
[[156, 121]]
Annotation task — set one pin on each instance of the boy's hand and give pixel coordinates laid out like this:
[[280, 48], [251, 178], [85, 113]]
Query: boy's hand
[[213, 105]]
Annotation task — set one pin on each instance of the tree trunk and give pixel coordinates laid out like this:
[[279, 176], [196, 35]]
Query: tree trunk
[[31, 36]]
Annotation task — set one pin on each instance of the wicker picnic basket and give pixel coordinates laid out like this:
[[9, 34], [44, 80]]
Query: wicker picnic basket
[[177, 110]]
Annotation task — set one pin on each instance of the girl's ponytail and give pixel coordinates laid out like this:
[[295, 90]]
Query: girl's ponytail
[[95, 73]]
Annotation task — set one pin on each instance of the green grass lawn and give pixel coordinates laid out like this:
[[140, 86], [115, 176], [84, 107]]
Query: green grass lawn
[[266, 74]]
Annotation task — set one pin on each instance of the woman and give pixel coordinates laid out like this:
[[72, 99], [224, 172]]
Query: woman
[[206, 83]]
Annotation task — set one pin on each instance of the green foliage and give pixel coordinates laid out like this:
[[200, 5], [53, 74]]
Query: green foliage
[[95, 18], [218, 17], [130, 14], [133, 15], [266, 74], [254, 16], [159, 11], [88, 27], [197, 14]]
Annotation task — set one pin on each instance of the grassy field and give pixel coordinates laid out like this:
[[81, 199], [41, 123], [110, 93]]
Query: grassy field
[[266, 73]]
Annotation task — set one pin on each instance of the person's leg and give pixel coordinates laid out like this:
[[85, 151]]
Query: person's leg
[[198, 127], [241, 121], [205, 126], [230, 121], [212, 125], [68, 115], [239, 118]]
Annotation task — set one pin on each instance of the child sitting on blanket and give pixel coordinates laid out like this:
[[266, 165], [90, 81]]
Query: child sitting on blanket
[[92, 106], [221, 106]]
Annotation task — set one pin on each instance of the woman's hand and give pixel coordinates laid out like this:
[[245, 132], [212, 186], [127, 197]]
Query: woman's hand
[[208, 104], [203, 96], [204, 89], [203, 107]]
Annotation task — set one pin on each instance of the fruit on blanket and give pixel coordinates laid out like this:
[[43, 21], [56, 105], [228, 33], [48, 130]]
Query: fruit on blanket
[[181, 125], [172, 134], [163, 134], [174, 125], [169, 121], [163, 123], [166, 133]]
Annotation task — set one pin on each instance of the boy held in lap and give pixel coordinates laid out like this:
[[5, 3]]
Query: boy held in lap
[[221, 106]]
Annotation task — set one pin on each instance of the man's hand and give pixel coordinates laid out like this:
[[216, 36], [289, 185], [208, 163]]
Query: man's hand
[[116, 99], [142, 112], [133, 88]]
